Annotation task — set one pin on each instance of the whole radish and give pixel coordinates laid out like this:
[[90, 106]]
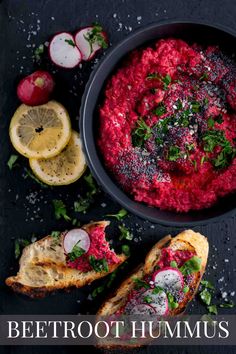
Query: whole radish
[[36, 88]]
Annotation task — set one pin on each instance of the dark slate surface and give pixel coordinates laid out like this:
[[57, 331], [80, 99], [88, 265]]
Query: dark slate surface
[[26, 207]]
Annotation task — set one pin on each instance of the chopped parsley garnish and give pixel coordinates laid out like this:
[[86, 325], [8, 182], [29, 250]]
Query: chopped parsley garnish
[[166, 81], [99, 265], [98, 291], [204, 76], [60, 210], [125, 233], [96, 36], [141, 133], [205, 296], [157, 290], [171, 302], [139, 283], [126, 250], [207, 284], [173, 264], [39, 52], [179, 104], [11, 163], [195, 106], [76, 252], [185, 289], [212, 309], [173, 153], [212, 139], [82, 205], [91, 184], [19, 245], [193, 265], [210, 122], [147, 299], [120, 215], [70, 42], [160, 110], [55, 235], [152, 76], [227, 305]]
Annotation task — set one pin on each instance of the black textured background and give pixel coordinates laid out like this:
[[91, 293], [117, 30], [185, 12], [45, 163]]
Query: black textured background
[[24, 23]]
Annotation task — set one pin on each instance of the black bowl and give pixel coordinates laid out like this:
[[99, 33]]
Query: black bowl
[[198, 32]]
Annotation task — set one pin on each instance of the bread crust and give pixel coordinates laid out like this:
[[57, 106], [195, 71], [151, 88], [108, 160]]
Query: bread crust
[[186, 240], [43, 268]]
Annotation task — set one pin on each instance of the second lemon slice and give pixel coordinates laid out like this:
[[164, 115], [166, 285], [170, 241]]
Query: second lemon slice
[[40, 131], [64, 168]]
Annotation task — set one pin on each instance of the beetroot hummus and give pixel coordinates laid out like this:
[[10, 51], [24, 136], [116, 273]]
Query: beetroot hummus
[[168, 125], [99, 255]]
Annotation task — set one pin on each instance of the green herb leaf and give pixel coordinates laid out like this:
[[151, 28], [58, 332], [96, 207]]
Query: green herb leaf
[[212, 309], [174, 153], [147, 299], [173, 264], [160, 110], [11, 162], [20, 243], [70, 42], [76, 252], [99, 265], [185, 289], [157, 290], [166, 81], [179, 104], [227, 305], [204, 76], [55, 235], [125, 233], [205, 296], [91, 184], [195, 106], [126, 250], [141, 133], [193, 265], [39, 52], [120, 215], [210, 122], [82, 205], [98, 291], [139, 283], [60, 210], [96, 36], [207, 284], [171, 302], [152, 76]]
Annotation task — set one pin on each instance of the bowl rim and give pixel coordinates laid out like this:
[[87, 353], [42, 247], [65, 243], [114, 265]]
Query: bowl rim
[[112, 189]]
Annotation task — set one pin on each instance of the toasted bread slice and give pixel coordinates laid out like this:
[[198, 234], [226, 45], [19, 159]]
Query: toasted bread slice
[[43, 268], [186, 240]]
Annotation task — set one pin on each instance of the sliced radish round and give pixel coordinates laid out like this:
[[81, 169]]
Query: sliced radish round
[[170, 279], [74, 237], [87, 50], [142, 309], [63, 51], [159, 301]]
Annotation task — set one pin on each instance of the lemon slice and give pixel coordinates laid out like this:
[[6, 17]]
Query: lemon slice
[[40, 131], [64, 168]]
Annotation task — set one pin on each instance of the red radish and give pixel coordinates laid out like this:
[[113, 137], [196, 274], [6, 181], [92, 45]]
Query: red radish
[[74, 237], [36, 88], [89, 40], [142, 309], [63, 51], [159, 301], [170, 279]]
